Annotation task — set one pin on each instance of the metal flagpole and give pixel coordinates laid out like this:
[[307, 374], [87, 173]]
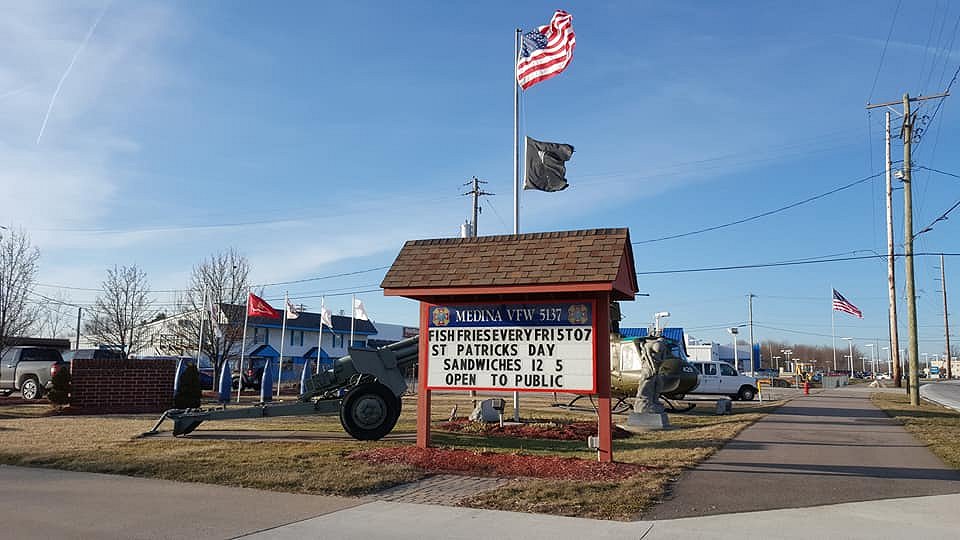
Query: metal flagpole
[[243, 344], [516, 136], [833, 330], [516, 171], [320, 335], [353, 313], [203, 308], [283, 332]]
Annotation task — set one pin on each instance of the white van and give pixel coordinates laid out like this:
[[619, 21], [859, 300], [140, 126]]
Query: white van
[[720, 378]]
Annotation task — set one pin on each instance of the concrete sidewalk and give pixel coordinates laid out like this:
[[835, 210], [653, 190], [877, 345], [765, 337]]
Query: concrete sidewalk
[[946, 393], [930, 518], [47, 503], [834, 447], [41, 504]]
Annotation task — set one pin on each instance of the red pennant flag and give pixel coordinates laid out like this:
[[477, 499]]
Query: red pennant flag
[[258, 307]]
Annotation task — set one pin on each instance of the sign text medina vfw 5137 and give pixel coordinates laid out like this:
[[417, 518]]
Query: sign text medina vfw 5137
[[534, 346]]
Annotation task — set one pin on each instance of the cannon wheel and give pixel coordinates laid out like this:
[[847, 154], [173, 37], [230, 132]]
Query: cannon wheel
[[369, 411]]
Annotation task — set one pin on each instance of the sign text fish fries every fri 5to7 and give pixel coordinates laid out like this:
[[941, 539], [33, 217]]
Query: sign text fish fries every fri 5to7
[[537, 346]]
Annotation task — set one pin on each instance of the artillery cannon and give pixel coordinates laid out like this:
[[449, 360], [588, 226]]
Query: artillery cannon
[[364, 388]]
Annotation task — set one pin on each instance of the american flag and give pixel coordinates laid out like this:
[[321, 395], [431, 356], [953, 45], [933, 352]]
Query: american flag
[[546, 51], [842, 304]]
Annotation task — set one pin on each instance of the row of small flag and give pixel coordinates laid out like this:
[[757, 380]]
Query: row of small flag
[[258, 307]]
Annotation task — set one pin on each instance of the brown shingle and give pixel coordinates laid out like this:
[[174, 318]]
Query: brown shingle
[[591, 255]]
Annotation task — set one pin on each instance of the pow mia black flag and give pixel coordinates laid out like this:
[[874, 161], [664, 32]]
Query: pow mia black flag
[[545, 169]]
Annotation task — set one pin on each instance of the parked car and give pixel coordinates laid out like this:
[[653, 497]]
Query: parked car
[[98, 354], [252, 373], [720, 378], [29, 370], [206, 367]]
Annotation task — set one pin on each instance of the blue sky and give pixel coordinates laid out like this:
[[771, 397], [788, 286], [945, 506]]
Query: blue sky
[[317, 137]]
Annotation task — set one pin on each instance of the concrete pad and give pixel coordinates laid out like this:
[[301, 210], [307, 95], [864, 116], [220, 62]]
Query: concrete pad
[[402, 521], [46, 503], [922, 517]]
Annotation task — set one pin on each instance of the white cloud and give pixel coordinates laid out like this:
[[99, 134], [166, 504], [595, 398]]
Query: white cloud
[[69, 179]]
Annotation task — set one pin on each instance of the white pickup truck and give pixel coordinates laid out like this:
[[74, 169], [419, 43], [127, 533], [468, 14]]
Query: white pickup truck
[[720, 378]]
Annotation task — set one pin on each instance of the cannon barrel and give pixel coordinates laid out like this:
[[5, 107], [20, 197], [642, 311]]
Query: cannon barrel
[[386, 365]]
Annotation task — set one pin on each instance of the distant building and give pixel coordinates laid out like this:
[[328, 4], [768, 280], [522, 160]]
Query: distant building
[[704, 351], [303, 340]]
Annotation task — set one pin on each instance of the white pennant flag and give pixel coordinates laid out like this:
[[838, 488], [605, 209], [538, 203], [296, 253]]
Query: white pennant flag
[[326, 317], [358, 311], [292, 311]]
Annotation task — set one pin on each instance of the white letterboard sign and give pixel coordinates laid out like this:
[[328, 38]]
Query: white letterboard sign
[[534, 346]]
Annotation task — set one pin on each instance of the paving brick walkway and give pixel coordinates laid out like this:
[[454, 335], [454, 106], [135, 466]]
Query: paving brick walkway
[[442, 489]]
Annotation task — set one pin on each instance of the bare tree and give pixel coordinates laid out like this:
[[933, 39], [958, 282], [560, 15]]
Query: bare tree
[[55, 315], [122, 309], [18, 271], [216, 284]]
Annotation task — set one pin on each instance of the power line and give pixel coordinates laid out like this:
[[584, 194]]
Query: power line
[[782, 263], [943, 217], [154, 291], [884, 53], [760, 215], [931, 169]]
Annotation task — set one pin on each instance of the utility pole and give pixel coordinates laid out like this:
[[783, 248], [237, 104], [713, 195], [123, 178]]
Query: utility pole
[[946, 318], [79, 314], [476, 192], [906, 134], [750, 296], [891, 265]]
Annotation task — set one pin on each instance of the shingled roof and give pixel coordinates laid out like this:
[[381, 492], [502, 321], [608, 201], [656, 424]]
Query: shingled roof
[[592, 256]]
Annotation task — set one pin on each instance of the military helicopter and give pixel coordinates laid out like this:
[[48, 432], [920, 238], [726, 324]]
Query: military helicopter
[[677, 373]]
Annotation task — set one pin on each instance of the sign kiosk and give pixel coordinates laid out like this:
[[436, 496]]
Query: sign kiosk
[[525, 313]]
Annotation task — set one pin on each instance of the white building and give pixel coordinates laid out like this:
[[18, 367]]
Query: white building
[[303, 341]]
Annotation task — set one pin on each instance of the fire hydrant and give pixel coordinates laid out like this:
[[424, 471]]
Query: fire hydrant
[[806, 388]]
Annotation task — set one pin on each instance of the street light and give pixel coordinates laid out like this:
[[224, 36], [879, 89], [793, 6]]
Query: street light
[[787, 353], [850, 343], [777, 360], [734, 331], [873, 365], [889, 360], [656, 319]]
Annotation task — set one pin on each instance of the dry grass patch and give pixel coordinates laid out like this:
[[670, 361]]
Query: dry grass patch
[[938, 427], [107, 444]]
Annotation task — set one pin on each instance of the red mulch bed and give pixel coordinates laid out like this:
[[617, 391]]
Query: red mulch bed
[[566, 431], [498, 464]]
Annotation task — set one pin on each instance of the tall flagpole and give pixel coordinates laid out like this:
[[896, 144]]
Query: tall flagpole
[[203, 308], [283, 332], [353, 313], [243, 343], [516, 136], [833, 330], [516, 171], [320, 335]]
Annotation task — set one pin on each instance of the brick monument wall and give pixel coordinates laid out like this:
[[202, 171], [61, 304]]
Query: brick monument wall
[[102, 386]]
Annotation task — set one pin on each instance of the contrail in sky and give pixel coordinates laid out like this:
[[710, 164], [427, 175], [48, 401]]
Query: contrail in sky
[[11, 93], [66, 73]]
